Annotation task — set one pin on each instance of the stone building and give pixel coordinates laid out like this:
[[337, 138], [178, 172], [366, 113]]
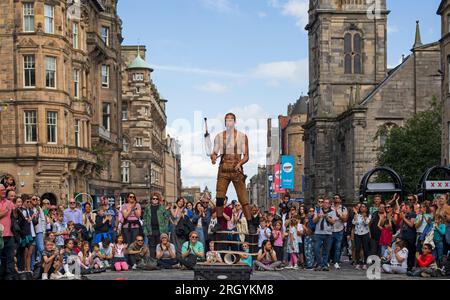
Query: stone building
[[172, 170], [144, 123], [292, 136], [192, 193], [352, 93], [257, 189], [444, 12], [60, 92]]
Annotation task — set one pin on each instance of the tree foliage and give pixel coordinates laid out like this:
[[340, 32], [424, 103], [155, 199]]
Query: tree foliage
[[414, 148]]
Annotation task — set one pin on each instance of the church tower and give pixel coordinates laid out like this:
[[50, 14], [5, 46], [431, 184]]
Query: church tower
[[347, 59], [347, 53]]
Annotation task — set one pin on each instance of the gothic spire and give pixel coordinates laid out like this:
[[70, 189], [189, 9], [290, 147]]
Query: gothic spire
[[418, 41]]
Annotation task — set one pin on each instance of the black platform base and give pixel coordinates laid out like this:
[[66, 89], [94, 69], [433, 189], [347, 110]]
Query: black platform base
[[222, 272]]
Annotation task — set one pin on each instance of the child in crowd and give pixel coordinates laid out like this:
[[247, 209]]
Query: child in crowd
[[60, 230], [106, 252], [96, 260], [277, 235], [246, 258], [438, 239], [73, 234], [213, 256], [51, 261], [263, 232], [292, 249], [70, 259], [51, 237], [119, 250], [212, 228], [85, 258], [385, 225]]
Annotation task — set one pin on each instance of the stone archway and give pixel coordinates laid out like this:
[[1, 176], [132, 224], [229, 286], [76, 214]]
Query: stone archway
[[50, 196]]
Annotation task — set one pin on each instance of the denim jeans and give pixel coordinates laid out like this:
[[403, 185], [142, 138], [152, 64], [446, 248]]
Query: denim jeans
[[438, 252], [39, 248], [337, 238], [322, 242], [309, 251]]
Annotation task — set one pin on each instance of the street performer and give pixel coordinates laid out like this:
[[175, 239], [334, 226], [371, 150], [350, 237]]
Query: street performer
[[232, 146]]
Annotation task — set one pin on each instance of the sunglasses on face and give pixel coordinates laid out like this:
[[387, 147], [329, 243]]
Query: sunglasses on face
[[155, 199], [132, 197], [139, 240], [71, 202], [194, 237]]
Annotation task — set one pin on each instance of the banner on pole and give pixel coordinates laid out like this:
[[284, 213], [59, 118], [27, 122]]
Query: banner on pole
[[287, 172]]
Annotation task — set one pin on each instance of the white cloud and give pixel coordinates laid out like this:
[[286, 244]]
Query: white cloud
[[261, 14], [293, 8], [213, 87], [224, 6], [292, 71]]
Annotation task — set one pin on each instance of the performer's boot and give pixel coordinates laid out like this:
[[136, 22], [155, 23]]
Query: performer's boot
[[220, 206], [219, 211]]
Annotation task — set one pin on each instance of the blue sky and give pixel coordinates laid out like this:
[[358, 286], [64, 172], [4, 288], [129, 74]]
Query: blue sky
[[249, 56]]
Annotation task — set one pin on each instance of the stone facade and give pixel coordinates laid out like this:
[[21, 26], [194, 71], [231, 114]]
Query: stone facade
[[172, 170], [52, 138], [191, 194], [444, 12], [257, 189], [144, 123], [293, 143], [353, 95]]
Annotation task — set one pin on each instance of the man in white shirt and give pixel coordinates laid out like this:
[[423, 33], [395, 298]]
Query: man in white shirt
[[324, 218], [338, 229]]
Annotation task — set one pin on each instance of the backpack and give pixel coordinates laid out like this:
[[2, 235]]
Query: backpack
[[184, 227]]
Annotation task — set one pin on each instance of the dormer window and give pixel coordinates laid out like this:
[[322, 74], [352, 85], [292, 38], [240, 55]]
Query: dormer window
[[138, 77]]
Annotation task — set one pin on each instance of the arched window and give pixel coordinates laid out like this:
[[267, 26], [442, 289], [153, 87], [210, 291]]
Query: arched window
[[352, 53]]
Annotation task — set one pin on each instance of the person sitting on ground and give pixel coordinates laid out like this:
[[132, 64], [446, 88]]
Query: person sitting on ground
[[191, 251], [213, 257], [70, 258], [51, 262], [96, 260], [267, 258], [139, 255], [166, 253], [85, 256], [106, 253], [398, 259], [246, 258], [425, 262]]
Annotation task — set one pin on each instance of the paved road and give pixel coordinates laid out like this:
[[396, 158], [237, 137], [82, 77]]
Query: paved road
[[347, 273]]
